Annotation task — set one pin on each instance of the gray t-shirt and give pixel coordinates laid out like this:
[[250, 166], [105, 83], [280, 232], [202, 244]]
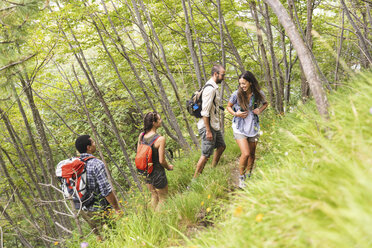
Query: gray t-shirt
[[248, 126]]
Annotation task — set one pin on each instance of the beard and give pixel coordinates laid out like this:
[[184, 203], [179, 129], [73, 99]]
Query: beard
[[218, 81]]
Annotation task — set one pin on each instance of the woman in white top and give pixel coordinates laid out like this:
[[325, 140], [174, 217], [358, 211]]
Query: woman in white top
[[246, 104]]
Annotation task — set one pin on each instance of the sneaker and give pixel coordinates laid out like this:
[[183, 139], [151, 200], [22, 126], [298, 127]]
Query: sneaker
[[242, 182]]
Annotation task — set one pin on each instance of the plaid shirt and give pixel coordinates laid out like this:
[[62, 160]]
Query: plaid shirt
[[97, 179]]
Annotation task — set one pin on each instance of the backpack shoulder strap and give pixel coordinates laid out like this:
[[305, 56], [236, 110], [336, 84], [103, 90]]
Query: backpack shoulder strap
[[86, 158], [154, 139], [214, 98]]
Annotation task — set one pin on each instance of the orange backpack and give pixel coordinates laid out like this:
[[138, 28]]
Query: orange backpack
[[143, 158]]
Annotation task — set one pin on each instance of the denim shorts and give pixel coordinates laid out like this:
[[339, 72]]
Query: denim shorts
[[207, 146], [250, 139]]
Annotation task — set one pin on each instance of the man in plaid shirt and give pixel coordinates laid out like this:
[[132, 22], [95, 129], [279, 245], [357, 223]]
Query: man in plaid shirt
[[98, 182]]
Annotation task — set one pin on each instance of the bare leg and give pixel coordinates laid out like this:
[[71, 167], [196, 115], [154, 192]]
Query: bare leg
[[162, 194], [252, 155], [244, 157], [200, 165], [217, 155], [154, 196]]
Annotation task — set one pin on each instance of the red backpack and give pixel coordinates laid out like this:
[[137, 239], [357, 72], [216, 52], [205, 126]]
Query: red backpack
[[72, 174], [143, 158]]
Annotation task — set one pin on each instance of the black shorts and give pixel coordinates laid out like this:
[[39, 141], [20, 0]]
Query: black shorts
[[157, 178]]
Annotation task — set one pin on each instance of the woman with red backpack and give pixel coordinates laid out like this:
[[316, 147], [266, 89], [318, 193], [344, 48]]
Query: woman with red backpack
[[150, 159]]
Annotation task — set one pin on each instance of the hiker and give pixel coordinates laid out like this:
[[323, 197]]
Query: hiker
[[244, 105], [105, 199], [156, 181], [209, 125]]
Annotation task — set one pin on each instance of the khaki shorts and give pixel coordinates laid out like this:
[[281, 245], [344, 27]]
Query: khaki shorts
[[250, 139], [207, 146]]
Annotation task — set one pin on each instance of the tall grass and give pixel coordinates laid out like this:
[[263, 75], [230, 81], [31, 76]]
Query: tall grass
[[312, 187], [313, 183]]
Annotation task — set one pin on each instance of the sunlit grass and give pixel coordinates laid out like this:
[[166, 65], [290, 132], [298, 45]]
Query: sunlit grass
[[313, 183], [312, 187]]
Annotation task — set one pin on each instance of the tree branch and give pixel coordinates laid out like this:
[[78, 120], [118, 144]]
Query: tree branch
[[18, 62]]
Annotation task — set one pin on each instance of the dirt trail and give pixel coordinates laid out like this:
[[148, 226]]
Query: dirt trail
[[234, 173]]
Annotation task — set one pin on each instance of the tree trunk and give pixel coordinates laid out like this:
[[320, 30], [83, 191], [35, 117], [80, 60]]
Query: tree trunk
[[171, 79], [223, 55], [113, 63], [92, 82], [190, 44], [266, 65], [20, 197], [197, 42], [339, 49], [363, 45], [23, 240], [40, 129], [304, 56], [124, 53], [270, 40], [173, 120]]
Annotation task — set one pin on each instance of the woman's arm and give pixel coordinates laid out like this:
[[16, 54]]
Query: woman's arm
[[238, 113], [160, 144], [258, 111]]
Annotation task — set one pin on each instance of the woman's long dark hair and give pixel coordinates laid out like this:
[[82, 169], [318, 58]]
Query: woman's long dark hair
[[148, 121], [243, 96]]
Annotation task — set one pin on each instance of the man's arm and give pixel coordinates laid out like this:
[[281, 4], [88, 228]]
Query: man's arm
[[111, 198], [208, 131], [104, 185], [208, 96]]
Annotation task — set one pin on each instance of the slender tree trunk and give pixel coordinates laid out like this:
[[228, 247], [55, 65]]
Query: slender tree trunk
[[29, 133], [124, 53], [113, 63], [266, 65], [369, 14], [19, 173], [173, 120], [304, 56], [108, 172], [287, 67], [190, 44], [339, 49], [23, 240], [232, 45], [92, 82], [197, 41], [100, 140], [171, 79], [279, 97], [223, 55], [363, 45], [30, 169], [40, 129], [20, 197]]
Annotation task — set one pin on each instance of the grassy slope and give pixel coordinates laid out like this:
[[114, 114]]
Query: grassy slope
[[312, 187]]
